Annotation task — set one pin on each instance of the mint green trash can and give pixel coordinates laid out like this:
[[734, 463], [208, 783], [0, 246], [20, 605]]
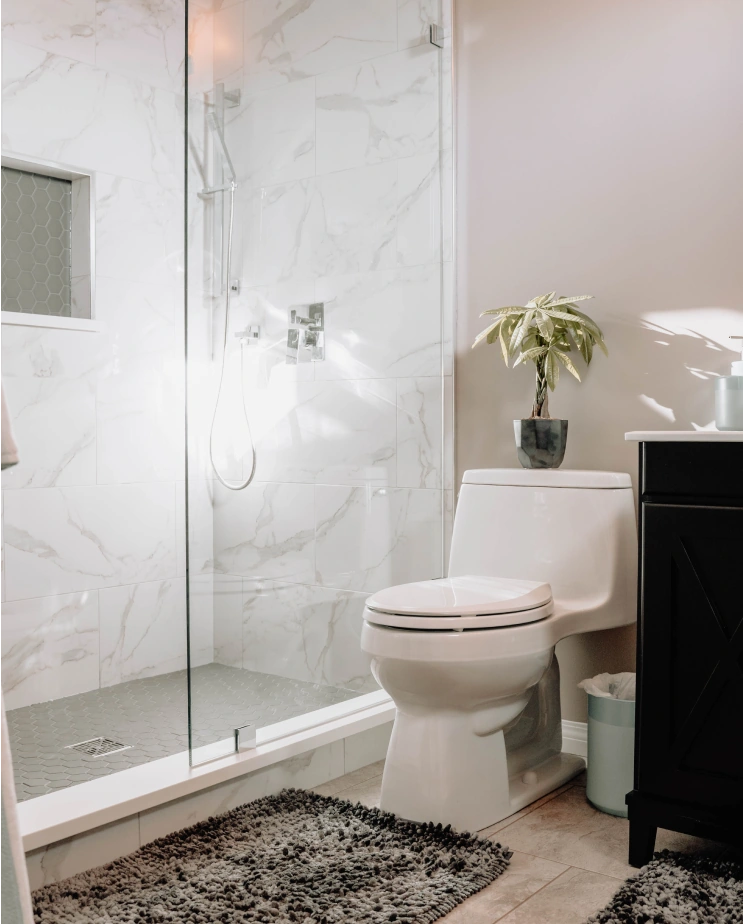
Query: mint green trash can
[[611, 747]]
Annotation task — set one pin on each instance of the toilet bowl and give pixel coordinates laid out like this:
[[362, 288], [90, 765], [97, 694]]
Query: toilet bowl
[[469, 660]]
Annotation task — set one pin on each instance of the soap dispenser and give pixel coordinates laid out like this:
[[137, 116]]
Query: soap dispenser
[[729, 395]]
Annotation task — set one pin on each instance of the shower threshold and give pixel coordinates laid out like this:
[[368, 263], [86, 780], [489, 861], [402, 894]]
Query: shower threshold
[[77, 809], [147, 719]]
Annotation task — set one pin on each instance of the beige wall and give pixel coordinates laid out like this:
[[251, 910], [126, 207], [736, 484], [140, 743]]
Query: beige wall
[[600, 150]]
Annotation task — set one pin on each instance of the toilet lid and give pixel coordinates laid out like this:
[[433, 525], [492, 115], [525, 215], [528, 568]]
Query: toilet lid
[[469, 601]]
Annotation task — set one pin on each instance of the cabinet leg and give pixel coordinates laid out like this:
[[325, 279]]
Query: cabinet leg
[[641, 841]]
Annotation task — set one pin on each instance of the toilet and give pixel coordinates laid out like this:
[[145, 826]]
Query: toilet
[[469, 660]]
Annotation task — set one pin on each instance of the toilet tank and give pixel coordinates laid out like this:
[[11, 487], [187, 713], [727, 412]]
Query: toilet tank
[[574, 529]]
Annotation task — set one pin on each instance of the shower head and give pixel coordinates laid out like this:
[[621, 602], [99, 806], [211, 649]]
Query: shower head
[[215, 127]]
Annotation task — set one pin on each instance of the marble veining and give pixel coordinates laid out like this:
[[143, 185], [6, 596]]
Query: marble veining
[[306, 633], [379, 110], [87, 116], [142, 631], [66, 27], [370, 538], [292, 39], [142, 39], [60, 540], [49, 648]]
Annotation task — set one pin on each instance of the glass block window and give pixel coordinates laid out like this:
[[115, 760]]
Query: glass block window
[[35, 232]]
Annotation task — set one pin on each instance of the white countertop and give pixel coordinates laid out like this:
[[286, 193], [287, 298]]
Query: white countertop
[[685, 436]]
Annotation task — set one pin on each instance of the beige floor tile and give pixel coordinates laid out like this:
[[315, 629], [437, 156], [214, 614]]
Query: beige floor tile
[[569, 899], [505, 822], [335, 787], [568, 830], [367, 792], [525, 876]]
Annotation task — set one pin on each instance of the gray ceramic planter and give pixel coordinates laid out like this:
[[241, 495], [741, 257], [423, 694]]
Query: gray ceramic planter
[[540, 442]]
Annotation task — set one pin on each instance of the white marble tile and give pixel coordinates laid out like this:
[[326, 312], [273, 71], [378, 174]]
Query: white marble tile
[[371, 538], [54, 424], [49, 648], [381, 325], [266, 530], [143, 630], [64, 28], [328, 432], [357, 221], [291, 39], [419, 210], [60, 540], [273, 136], [380, 110], [139, 232], [85, 851], [448, 297], [201, 618], [201, 522], [140, 409], [280, 233], [304, 771], [367, 747], [414, 19], [200, 47], [47, 353], [142, 40], [85, 116], [333, 225], [228, 48], [420, 461], [228, 614], [305, 633]]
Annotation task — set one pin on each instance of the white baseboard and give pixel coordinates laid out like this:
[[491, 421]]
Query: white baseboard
[[575, 738]]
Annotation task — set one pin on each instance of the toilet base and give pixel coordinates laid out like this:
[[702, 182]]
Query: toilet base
[[465, 784]]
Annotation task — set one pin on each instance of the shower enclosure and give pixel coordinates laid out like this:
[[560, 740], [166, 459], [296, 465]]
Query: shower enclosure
[[250, 430]]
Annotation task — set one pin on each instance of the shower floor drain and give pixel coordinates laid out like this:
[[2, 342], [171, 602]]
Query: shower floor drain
[[97, 747]]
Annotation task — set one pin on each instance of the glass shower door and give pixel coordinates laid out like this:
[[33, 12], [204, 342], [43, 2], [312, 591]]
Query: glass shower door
[[319, 380]]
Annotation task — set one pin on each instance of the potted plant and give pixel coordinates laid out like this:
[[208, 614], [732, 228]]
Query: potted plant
[[544, 331]]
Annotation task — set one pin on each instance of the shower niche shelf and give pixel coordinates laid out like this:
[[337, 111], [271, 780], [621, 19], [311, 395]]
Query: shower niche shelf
[[48, 229]]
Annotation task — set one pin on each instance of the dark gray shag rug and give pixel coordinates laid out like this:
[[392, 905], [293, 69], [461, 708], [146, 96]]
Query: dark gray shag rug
[[295, 857], [678, 889]]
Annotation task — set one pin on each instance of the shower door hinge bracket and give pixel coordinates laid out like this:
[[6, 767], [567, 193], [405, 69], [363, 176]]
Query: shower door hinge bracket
[[436, 35], [245, 737]]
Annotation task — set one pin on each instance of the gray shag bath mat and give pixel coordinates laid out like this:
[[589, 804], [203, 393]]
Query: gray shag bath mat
[[678, 889], [296, 857]]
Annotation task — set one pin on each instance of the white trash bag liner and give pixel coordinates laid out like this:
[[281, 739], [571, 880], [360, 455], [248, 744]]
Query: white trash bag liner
[[612, 686]]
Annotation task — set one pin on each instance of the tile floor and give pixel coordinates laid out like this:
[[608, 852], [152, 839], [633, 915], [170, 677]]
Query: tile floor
[[149, 715], [567, 863]]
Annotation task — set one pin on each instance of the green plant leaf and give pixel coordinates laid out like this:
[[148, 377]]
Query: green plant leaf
[[484, 334], [567, 299], [565, 360], [533, 355], [552, 370], [545, 324], [509, 309]]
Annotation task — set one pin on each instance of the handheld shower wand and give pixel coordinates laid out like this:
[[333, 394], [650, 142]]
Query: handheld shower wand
[[230, 187]]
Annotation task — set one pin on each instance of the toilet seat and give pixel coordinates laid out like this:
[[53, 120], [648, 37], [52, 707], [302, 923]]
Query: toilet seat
[[467, 602]]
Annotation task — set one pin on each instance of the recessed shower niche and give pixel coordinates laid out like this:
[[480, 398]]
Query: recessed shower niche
[[47, 239]]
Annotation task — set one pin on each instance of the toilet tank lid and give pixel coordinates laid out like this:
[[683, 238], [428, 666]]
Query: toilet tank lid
[[547, 478], [468, 595]]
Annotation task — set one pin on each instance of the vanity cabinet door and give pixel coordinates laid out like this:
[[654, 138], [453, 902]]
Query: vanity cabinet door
[[691, 655]]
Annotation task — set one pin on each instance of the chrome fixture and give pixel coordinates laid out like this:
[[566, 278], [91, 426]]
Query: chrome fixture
[[436, 35], [215, 121], [305, 340], [251, 334], [245, 737]]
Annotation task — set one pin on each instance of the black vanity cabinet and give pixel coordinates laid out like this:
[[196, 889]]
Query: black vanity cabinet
[[689, 734]]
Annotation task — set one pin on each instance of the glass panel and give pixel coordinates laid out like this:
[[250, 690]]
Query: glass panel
[[93, 619], [319, 162]]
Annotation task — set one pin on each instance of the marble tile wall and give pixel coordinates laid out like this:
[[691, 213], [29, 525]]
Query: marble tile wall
[[342, 146], [93, 516]]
